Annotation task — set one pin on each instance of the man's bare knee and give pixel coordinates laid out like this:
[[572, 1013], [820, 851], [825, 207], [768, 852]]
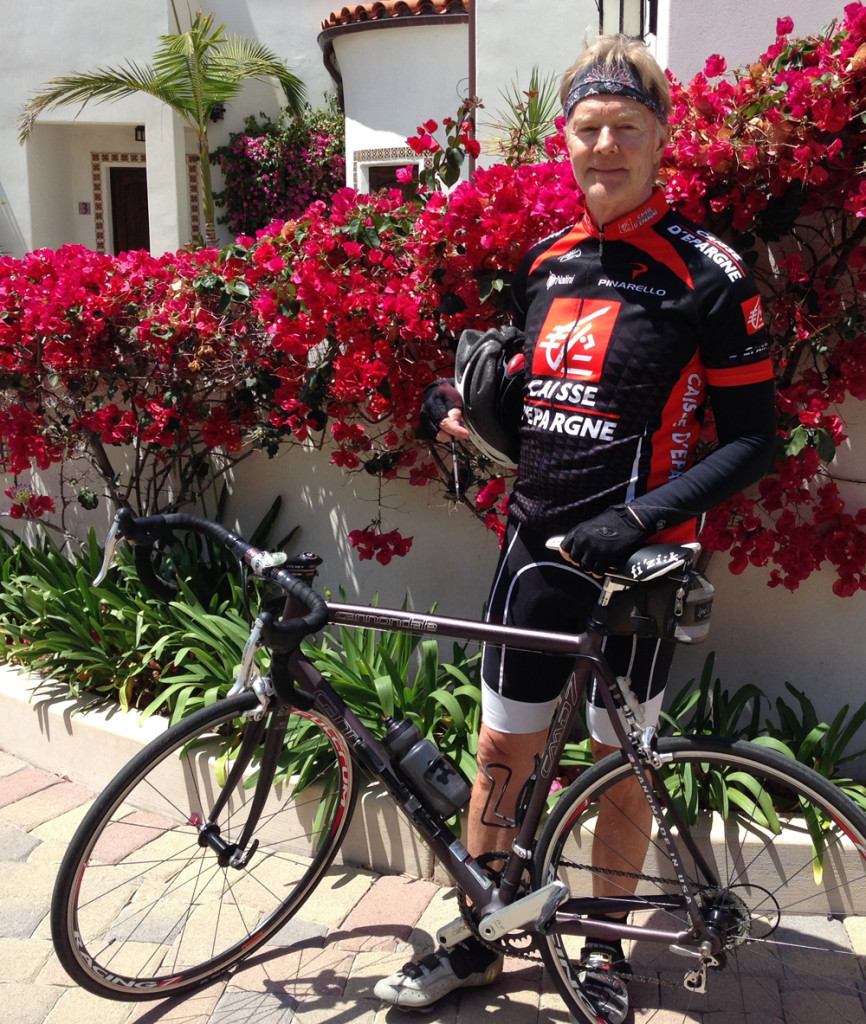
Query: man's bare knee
[[508, 748]]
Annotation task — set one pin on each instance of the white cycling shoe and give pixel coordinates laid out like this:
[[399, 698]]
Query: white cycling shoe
[[421, 983]]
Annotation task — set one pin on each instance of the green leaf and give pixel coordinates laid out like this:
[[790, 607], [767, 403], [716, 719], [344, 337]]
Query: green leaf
[[826, 444], [758, 801], [797, 441], [385, 692], [774, 744], [816, 832]]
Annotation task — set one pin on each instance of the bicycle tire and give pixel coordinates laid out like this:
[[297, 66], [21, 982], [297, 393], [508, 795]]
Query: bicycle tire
[[141, 910], [787, 954]]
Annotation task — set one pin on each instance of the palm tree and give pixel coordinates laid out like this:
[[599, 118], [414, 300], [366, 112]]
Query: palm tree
[[192, 72]]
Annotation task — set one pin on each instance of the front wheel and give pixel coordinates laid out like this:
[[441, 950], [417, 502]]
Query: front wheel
[[144, 907], [787, 848]]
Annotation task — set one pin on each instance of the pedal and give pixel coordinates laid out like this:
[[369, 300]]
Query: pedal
[[450, 934], [536, 908]]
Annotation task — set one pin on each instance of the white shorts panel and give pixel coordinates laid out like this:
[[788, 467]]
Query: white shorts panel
[[514, 716]]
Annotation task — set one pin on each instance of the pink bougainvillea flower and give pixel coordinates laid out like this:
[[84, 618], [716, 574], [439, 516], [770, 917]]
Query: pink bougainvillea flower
[[715, 66]]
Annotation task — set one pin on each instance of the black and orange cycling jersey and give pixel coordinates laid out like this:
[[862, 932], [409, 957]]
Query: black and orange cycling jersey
[[629, 330]]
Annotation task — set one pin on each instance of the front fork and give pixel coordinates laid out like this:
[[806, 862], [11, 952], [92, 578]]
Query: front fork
[[238, 854]]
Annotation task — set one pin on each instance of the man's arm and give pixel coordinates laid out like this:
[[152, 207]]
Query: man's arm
[[746, 424]]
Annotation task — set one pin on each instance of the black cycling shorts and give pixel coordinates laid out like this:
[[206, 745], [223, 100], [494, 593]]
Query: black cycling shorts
[[536, 588]]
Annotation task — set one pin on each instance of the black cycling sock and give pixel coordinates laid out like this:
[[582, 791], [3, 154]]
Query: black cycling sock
[[613, 947], [470, 956]]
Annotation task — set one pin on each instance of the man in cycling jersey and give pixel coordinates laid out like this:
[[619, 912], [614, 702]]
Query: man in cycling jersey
[[633, 318]]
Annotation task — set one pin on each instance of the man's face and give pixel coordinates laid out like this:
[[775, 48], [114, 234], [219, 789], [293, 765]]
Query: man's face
[[616, 145]]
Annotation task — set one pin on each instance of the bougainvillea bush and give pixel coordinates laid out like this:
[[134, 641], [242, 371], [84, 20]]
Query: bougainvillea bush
[[773, 159], [144, 379], [275, 169], [157, 373]]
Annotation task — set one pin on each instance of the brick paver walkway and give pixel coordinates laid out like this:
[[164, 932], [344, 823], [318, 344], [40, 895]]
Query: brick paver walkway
[[357, 927]]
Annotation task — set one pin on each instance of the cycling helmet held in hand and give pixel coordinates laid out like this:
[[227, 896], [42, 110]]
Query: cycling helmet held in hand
[[489, 377]]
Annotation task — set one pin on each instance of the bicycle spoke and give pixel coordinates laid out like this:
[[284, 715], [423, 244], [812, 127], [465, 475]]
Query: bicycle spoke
[[785, 954], [142, 898]]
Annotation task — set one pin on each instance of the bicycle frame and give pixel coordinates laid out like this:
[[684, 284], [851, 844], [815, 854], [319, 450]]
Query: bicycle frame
[[297, 681], [529, 905]]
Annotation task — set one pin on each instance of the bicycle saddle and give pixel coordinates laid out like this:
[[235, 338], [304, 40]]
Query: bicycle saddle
[[656, 560]]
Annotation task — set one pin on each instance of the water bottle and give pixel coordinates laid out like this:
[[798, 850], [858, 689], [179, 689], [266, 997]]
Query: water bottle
[[437, 782]]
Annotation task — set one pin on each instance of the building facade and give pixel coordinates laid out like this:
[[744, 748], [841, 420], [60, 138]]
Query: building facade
[[113, 174]]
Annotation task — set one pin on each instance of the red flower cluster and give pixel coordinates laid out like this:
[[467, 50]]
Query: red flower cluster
[[493, 500], [26, 504], [160, 354], [786, 129], [383, 547], [772, 159]]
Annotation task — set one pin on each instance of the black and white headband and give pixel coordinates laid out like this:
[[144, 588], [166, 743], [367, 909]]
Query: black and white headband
[[616, 80]]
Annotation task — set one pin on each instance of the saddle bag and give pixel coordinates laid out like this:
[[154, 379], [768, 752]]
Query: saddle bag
[[677, 607]]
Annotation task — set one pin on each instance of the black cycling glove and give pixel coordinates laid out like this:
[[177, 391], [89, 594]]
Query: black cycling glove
[[439, 398], [605, 541]]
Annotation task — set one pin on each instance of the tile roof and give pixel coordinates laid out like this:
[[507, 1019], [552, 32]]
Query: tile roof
[[386, 9]]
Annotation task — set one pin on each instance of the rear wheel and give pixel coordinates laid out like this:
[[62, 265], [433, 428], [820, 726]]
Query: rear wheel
[[789, 900], [145, 907]]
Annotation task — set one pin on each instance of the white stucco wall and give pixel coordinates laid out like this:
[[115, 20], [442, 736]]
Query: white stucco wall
[[59, 167], [740, 30], [82, 36], [512, 38], [768, 637], [452, 557], [37, 208], [290, 29], [395, 78]]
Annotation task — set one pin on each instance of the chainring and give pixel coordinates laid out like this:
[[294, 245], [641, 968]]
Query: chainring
[[519, 943]]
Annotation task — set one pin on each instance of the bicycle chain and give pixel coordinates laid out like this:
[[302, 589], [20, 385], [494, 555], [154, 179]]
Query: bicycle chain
[[661, 982], [531, 953]]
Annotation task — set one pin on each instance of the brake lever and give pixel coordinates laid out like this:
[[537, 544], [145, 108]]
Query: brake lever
[[111, 542], [248, 659]]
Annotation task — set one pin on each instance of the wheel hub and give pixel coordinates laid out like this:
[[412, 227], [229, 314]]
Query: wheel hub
[[740, 913]]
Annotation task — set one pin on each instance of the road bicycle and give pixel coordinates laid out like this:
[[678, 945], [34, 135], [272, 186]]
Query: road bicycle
[[193, 858]]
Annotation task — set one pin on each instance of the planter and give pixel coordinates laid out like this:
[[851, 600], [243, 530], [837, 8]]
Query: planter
[[91, 746]]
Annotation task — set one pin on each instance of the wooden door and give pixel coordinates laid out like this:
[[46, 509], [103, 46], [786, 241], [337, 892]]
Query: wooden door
[[128, 188]]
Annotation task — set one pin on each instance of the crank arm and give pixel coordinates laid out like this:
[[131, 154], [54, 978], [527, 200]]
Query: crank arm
[[535, 910], [455, 931]]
